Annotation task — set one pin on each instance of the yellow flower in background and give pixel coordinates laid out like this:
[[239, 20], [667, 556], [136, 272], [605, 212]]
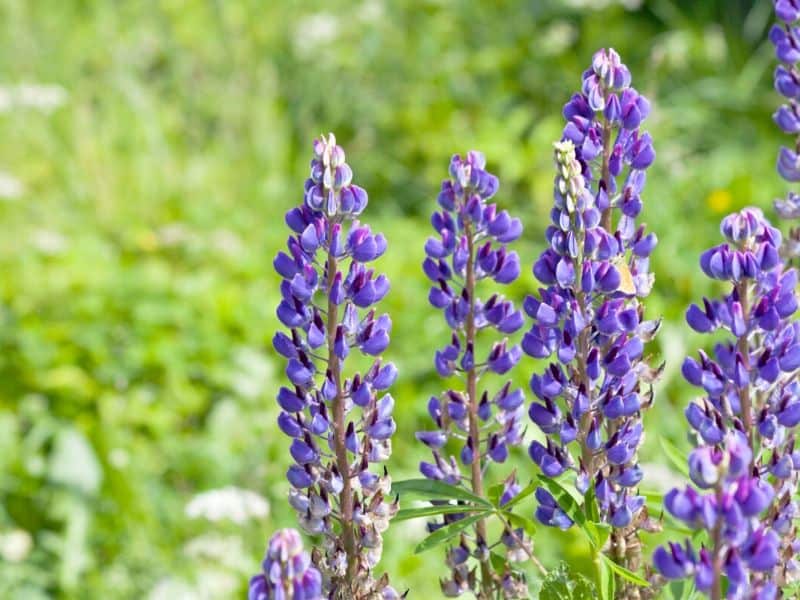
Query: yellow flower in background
[[719, 200]]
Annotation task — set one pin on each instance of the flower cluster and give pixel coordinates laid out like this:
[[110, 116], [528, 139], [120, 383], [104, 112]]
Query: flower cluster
[[287, 572], [589, 316], [745, 466], [339, 425], [786, 39], [470, 246]]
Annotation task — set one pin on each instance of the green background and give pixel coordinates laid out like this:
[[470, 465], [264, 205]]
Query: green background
[[137, 294]]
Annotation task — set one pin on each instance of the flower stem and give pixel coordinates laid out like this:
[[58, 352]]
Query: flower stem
[[340, 426], [531, 556], [487, 583], [605, 174], [745, 401]]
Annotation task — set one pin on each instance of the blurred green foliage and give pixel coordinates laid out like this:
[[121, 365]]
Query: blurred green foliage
[[142, 203]]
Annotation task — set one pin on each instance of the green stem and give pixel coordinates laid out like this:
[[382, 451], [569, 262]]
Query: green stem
[[487, 579], [340, 428]]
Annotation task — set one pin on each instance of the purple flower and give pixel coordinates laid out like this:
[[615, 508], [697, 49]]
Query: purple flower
[[470, 248], [340, 425], [287, 572], [785, 36], [588, 317], [745, 461]]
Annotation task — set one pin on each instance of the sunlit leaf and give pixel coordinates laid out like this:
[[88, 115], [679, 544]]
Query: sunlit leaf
[[427, 488], [625, 573], [406, 514], [448, 532]]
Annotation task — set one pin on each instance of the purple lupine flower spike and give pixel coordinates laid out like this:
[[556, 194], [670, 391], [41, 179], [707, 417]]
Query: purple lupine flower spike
[[589, 317], [785, 36], [341, 426], [287, 572], [745, 467], [470, 245]]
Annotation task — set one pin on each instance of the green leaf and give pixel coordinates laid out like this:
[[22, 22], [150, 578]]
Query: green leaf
[[528, 525], [674, 455], [449, 532], [598, 533], [682, 589], [494, 493], [606, 578], [437, 490], [625, 573], [590, 505], [562, 584], [499, 562], [407, 514], [565, 500]]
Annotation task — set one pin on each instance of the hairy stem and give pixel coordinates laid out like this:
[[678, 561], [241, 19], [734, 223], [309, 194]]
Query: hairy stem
[[605, 175], [340, 426], [487, 582], [716, 558], [520, 541], [745, 401]]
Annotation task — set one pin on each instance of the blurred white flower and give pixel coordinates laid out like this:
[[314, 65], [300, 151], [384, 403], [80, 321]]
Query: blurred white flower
[[231, 503], [173, 234], [227, 550], [314, 31], [659, 477], [253, 373], [371, 11], [173, 589], [15, 545], [10, 186], [49, 242], [715, 46], [558, 36], [214, 583], [211, 584], [119, 458], [227, 242], [672, 49], [43, 97]]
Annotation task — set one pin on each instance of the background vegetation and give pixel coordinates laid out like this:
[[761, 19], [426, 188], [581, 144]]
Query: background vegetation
[[149, 152]]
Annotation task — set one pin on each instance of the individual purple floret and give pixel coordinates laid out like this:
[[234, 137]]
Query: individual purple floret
[[470, 246], [339, 425], [745, 466], [589, 318], [287, 572]]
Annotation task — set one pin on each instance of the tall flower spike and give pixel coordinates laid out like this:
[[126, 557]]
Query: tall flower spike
[[470, 246], [785, 36], [589, 318], [287, 572], [339, 426], [745, 466]]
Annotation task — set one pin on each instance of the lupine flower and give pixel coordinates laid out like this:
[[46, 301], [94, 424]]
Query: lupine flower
[[745, 467], [470, 246], [287, 572], [588, 317], [785, 36], [339, 425]]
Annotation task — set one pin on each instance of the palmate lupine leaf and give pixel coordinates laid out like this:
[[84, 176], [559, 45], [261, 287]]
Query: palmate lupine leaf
[[448, 532], [563, 584], [437, 490]]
